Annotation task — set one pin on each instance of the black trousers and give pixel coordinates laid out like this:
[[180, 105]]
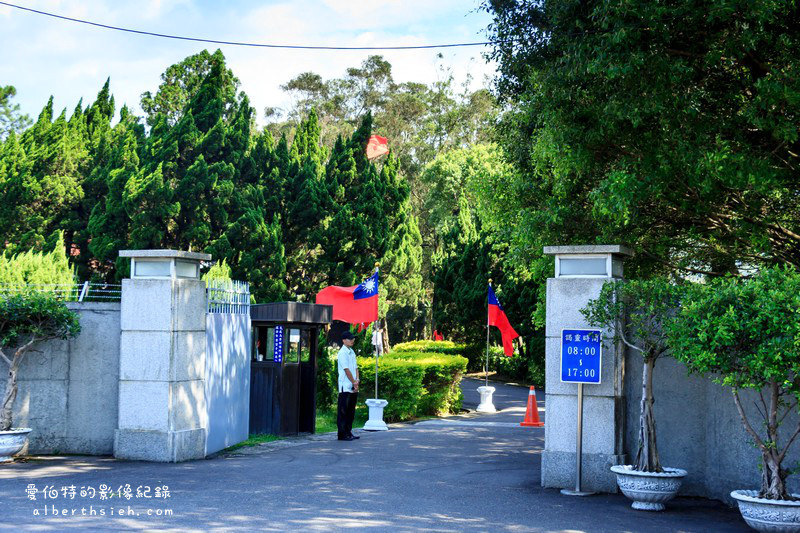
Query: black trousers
[[345, 412]]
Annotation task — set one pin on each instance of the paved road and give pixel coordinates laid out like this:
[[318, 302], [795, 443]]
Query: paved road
[[456, 475]]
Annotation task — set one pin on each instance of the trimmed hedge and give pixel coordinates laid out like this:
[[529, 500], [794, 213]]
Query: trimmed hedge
[[444, 347], [524, 369], [440, 381], [415, 383]]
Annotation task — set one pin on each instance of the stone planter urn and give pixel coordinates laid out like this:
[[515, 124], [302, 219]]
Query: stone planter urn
[[768, 515], [12, 442], [486, 405], [375, 422], [648, 490]]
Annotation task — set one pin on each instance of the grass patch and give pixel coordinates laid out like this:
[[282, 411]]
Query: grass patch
[[326, 418], [253, 440]]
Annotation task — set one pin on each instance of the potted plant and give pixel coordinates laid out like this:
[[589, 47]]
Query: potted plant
[[745, 334], [25, 321], [636, 312]]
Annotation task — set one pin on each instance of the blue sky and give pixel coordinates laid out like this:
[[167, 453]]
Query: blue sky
[[44, 56]]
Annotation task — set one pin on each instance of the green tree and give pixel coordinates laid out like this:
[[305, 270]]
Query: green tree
[[27, 320], [637, 313], [109, 222], [11, 119], [93, 128], [45, 187], [745, 334], [181, 81], [196, 162], [671, 127]]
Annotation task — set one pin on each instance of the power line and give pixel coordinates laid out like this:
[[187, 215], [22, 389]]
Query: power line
[[255, 45]]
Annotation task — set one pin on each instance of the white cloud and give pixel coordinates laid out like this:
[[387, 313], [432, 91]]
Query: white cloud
[[49, 56]]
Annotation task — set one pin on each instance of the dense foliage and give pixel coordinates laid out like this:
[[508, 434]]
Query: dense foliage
[[47, 270], [25, 321], [517, 368], [668, 126], [290, 208], [417, 383], [289, 217], [745, 334]]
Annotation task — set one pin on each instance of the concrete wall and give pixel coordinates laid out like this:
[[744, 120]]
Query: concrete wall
[[162, 408], [603, 407], [698, 429], [68, 389], [227, 379]]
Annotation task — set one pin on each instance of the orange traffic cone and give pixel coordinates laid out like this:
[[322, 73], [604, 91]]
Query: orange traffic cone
[[532, 413]]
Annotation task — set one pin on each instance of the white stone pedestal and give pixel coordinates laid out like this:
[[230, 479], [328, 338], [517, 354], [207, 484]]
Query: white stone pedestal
[[375, 422], [486, 405]]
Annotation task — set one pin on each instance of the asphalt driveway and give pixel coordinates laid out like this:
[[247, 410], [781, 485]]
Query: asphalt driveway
[[465, 473]]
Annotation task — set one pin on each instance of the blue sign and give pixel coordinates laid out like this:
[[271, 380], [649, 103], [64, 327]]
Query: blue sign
[[278, 346], [581, 353]]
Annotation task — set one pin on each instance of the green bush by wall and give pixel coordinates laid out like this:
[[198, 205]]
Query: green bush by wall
[[37, 268], [441, 378], [327, 377], [529, 369], [444, 347], [415, 383]]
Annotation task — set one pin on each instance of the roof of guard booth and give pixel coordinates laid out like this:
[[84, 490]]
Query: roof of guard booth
[[295, 312]]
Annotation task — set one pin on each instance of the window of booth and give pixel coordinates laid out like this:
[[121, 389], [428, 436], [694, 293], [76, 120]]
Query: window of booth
[[293, 348], [264, 344]]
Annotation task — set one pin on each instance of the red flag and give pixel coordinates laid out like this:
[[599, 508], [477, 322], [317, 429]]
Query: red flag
[[377, 146], [497, 317], [353, 304]]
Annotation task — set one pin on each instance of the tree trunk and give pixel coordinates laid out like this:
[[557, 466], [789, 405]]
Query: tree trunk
[[773, 477], [8, 400], [647, 457]]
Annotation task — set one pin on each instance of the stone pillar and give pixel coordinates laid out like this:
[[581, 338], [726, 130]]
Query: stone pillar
[[162, 405], [581, 272]]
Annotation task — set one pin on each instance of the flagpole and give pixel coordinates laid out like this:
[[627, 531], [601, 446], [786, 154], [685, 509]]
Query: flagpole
[[376, 349], [486, 366]]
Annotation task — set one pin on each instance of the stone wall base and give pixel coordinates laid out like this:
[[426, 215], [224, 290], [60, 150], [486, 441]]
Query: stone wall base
[[160, 446], [558, 471]]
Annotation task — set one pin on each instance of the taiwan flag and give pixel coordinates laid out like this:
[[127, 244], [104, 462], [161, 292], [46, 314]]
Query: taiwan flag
[[497, 317], [354, 305], [377, 146]]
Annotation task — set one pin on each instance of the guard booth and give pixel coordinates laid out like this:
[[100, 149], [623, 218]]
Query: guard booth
[[283, 366]]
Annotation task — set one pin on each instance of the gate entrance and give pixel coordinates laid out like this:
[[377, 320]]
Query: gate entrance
[[283, 366]]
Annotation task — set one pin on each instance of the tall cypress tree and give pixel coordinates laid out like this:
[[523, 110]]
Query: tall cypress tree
[[42, 200], [194, 160], [109, 222], [94, 127]]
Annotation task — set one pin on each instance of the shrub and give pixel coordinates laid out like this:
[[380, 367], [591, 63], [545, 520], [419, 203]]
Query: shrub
[[399, 381], [440, 381], [37, 268], [475, 354], [415, 383], [218, 271], [25, 321], [745, 334], [528, 367], [444, 347], [327, 377]]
